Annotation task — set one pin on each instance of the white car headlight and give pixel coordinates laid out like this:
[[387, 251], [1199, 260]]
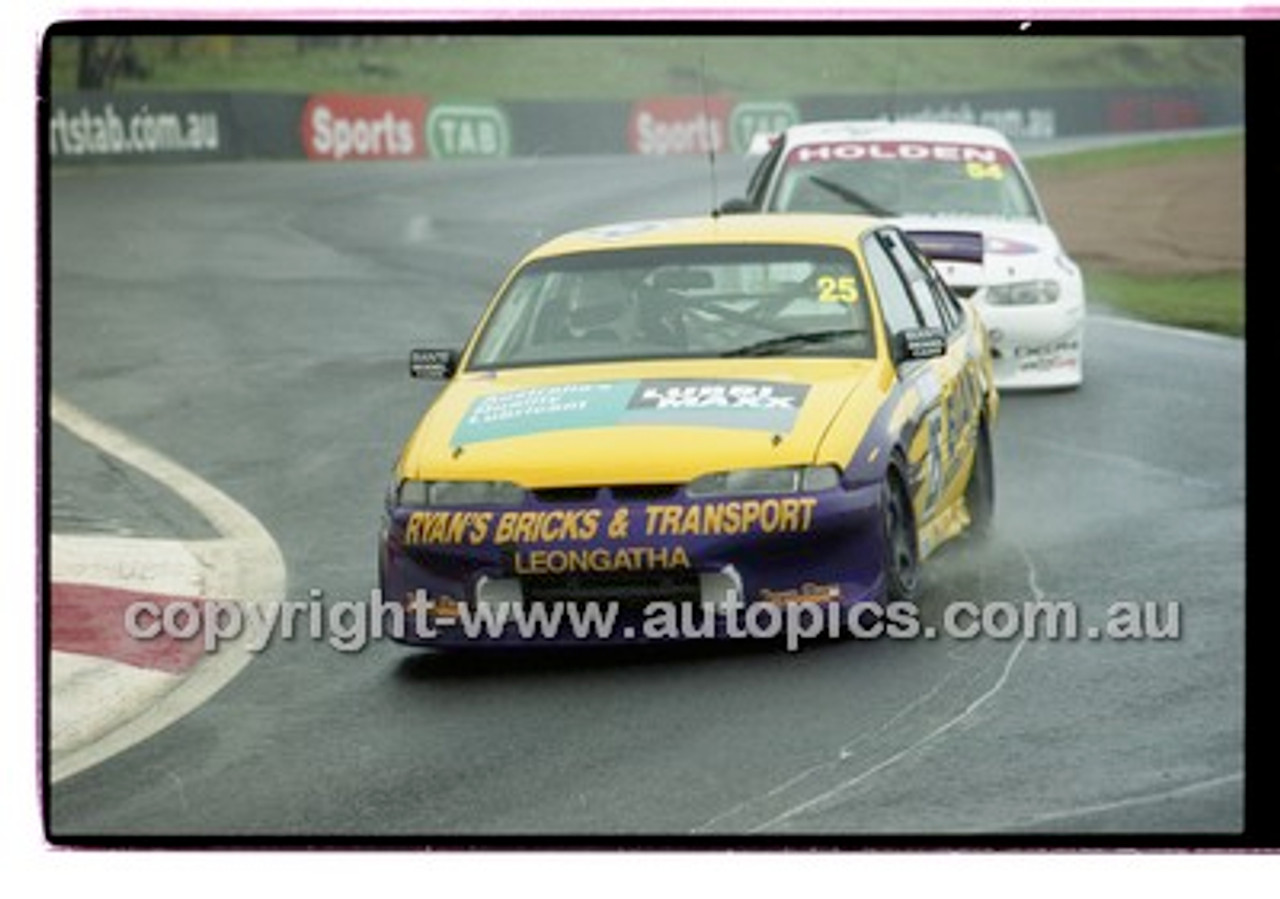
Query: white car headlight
[[1024, 293], [458, 493], [765, 480]]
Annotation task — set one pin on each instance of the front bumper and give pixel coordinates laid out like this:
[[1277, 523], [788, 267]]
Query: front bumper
[[611, 569], [1035, 346]]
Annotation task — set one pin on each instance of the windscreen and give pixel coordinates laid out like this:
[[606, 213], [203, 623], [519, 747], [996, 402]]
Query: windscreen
[[903, 178], [678, 302]]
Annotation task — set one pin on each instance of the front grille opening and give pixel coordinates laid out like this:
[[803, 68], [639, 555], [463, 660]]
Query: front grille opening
[[566, 494], [643, 492], [623, 493], [964, 293]]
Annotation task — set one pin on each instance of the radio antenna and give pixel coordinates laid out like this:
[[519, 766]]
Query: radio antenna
[[893, 79], [709, 135]]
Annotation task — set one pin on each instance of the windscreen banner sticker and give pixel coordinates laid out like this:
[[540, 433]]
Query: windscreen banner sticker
[[712, 403], [980, 161]]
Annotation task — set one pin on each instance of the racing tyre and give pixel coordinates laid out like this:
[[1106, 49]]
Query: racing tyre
[[980, 492], [902, 551]]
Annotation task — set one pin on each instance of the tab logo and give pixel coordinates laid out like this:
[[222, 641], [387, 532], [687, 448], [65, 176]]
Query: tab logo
[[456, 131], [760, 117]]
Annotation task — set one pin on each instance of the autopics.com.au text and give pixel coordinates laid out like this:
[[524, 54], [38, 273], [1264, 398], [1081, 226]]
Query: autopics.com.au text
[[350, 625]]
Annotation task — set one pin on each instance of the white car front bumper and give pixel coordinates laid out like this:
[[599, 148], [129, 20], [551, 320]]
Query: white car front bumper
[[1036, 346]]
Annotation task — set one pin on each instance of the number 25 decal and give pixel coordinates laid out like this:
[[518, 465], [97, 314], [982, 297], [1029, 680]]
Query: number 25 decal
[[837, 290]]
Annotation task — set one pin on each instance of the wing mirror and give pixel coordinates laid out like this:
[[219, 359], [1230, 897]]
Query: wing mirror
[[433, 365], [920, 343]]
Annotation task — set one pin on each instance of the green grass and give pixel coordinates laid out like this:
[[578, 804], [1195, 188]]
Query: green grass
[[545, 66], [1203, 302], [1207, 302], [1150, 153]]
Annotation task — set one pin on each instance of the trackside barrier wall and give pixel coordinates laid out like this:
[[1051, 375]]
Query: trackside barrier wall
[[172, 127], [155, 126]]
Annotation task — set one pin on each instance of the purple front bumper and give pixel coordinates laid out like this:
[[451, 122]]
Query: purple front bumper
[[615, 567]]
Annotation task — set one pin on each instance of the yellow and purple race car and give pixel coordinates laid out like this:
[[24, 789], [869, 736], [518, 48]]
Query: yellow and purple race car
[[682, 426]]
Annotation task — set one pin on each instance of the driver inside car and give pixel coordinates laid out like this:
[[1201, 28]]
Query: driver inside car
[[601, 309], [606, 308]]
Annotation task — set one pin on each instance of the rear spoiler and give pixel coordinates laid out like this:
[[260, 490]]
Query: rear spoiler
[[949, 246]]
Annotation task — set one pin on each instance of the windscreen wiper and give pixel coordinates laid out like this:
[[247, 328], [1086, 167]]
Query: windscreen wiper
[[850, 195], [777, 345]]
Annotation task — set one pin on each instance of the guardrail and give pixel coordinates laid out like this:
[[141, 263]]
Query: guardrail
[[115, 127]]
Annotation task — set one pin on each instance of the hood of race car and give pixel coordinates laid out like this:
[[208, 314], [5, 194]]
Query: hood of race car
[[1011, 250], [638, 423]]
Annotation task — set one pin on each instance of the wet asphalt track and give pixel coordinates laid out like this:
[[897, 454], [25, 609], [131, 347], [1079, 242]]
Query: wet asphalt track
[[253, 322]]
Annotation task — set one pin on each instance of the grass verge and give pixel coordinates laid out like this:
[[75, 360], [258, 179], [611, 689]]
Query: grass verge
[[1150, 153], [1212, 302], [1209, 302], [618, 61]]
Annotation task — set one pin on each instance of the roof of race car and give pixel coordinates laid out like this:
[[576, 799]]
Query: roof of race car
[[869, 129], [800, 228]]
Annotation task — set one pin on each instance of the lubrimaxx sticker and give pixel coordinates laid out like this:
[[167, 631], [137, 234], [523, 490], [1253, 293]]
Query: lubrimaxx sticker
[[713, 403], [751, 405]]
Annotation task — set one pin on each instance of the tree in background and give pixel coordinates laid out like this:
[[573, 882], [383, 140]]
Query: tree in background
[[100, 60]]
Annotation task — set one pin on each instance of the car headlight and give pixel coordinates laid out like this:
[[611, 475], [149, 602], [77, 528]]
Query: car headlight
[[458, 493], [1024, 293], [765, 480]]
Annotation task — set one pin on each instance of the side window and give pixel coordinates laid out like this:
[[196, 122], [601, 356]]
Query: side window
[[763, 174], [917, 279], [895, 302], [951, 308], [952, 314]]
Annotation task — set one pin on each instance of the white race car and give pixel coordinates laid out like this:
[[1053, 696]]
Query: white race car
[[962, 194]]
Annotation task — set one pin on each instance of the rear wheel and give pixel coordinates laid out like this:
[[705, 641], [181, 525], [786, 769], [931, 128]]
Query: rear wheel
[[902, 552]]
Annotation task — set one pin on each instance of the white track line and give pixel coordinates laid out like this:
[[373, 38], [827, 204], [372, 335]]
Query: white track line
[[844, 753], [1132, 801], [170, 567], [245, 564], [225, 514], [947, 726], [90, 696], [969, 711], [1167, 330]]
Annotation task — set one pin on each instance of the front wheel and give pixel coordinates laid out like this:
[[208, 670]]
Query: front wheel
[[902, 553]]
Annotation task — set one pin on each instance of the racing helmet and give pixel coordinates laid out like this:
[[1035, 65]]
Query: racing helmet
[[601, 307]]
